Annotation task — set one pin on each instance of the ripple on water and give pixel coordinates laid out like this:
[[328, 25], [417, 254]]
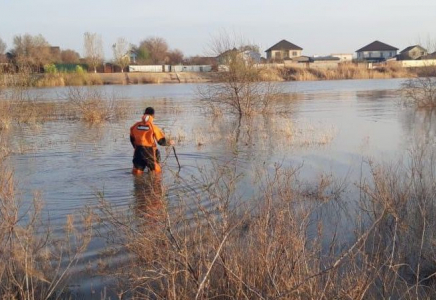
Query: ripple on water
[[72, 162]]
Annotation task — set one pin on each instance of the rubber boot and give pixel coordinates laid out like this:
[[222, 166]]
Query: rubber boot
[[157, 168], [137, 172]]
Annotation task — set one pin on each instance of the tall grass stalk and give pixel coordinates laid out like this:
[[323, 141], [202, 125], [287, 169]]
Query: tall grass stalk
[[293, 240], [34, 264], [93, 105]]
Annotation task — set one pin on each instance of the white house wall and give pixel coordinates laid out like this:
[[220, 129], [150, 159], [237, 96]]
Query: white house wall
[[169, 68], [281, 54], [147, 68], [418, 63]]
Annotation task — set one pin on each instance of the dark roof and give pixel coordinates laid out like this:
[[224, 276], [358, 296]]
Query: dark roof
[[302, 59], [411, 47], [227, 52], [377, 46], [284, 45], [324, 58], [429, 56]]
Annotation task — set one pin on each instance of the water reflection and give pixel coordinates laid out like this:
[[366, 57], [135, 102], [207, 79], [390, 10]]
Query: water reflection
[[377, 95], [323, 129], [149, 203], [420, 126]]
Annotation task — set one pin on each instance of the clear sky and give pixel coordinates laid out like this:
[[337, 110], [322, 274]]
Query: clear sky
[[319, 27]]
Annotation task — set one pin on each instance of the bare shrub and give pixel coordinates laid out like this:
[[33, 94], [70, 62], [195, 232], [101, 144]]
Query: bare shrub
[[93, 105], [240, 89], [34, 264], [5, 114], [421, 91], [298, 240], [22, 106]]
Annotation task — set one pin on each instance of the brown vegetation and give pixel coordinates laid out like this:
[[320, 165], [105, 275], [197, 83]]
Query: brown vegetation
[[19, 106], [421, 91], [93, 46], [155, 50], [240, 89], [345, 71], [34, 264], [93, 105], [294, 241]]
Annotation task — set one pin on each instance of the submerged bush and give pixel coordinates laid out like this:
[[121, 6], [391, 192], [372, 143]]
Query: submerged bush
[[296, 241], [421, 91], [34, 264], [93, 105]]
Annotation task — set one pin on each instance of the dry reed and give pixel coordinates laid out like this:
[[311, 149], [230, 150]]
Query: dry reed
[[93, 105], [295, 241], [34, 264]]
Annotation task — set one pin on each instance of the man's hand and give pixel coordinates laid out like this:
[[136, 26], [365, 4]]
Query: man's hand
[[171, 143]]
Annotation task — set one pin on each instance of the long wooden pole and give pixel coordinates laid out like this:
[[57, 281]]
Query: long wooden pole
[[175, 154]]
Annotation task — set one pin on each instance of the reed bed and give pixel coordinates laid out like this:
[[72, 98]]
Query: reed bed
[[23, 107], [294, 240], [93, 105], [345, 71], [34, 264], [421, 92]]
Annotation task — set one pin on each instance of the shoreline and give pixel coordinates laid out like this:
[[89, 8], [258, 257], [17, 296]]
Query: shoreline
[[214, 77], [272, 74]]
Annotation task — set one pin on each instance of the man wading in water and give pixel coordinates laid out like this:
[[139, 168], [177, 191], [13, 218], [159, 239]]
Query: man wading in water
[[143, 136]]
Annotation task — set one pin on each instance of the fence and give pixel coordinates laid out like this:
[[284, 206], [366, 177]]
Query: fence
[[168, 68]]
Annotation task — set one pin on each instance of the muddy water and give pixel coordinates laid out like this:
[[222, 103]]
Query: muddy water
[[329, 126]]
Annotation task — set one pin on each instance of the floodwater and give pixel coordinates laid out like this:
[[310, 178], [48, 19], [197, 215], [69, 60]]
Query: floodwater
[[327, 126]]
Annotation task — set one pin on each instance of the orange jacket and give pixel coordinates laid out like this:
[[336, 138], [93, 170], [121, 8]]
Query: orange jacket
[[145, 133]]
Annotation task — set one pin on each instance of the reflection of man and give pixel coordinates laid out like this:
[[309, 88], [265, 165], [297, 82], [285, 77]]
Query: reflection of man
[[143, 136], [149, 197]]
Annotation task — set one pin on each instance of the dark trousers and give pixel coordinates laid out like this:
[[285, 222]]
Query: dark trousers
[[145, 157]]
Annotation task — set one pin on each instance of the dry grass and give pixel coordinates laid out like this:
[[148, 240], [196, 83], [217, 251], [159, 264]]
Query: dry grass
[[293, 241], [93, 105], [346, 71], [273, 132], [421, 91], [25, 78], [20, 106], [33, 263]]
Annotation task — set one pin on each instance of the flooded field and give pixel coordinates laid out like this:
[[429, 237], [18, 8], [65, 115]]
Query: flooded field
[[325, 127]]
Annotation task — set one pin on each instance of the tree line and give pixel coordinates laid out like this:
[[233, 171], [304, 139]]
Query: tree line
[[35, 51]]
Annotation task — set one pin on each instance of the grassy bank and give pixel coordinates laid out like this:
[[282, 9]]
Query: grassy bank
[[82, 79], [349, 71], [346, 71]]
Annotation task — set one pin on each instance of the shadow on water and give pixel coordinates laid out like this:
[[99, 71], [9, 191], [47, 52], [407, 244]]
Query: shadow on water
[[149, 201], [420, 126]]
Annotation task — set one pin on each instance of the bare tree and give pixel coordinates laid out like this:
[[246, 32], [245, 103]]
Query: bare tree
[[421, 91], [2, 47], [157, 49], [243, 87], [121, 53], [93, 49], [175, 56], [33, 51], [2, 50], [428, 43], [69, 56]]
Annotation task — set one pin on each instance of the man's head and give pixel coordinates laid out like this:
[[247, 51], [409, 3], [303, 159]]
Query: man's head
[[149, 111]]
